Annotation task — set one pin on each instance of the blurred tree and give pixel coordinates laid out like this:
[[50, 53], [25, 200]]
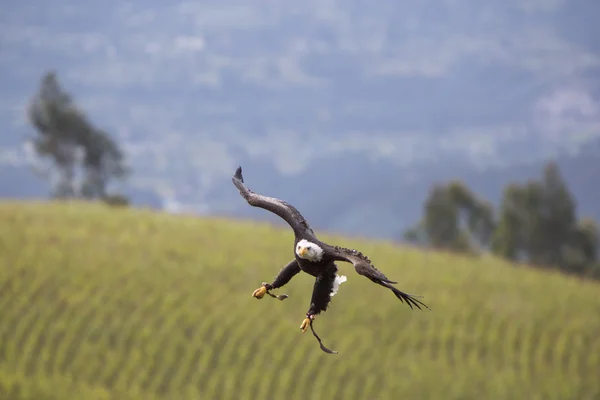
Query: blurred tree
[[538, 224], [103, 160], [476, 215], [517, 236], [416, 235], [587, 238], [581, 255], [509, 240], [593, 271], [48, 112], [454, 219], [556, 218], [78, 151], [440, 222], [116, 200]]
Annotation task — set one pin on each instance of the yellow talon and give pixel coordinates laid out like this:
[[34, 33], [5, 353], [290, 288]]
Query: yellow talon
[[260, 292], [305, 324]]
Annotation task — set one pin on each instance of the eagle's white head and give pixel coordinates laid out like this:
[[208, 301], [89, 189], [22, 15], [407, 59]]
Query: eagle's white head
[[309, 251]]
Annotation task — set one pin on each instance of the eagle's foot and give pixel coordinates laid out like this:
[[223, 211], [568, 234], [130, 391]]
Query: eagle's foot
[[264, 289], [260, 292], [307, 321]]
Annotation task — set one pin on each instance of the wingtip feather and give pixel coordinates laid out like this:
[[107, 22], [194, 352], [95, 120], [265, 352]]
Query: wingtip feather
[[238, 174], [410, 299]]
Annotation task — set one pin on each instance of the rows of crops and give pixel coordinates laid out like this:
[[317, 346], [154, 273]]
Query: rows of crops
[[129, 304]]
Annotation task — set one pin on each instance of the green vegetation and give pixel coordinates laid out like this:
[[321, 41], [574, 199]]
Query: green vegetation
[[536, 223], [100, 303]]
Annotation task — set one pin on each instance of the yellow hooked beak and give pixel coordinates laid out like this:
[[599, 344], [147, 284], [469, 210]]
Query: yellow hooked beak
[[303, 251]]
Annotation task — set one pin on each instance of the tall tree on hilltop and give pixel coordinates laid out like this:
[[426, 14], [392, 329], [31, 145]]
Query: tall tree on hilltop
[[103, 160], [85, 158], [49, 112]]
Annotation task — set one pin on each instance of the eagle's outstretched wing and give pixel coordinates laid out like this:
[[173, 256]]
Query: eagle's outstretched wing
[[279, 207], [364, 267]]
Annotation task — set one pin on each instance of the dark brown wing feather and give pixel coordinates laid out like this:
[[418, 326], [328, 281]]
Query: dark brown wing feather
[[364, 267], [279, 207]]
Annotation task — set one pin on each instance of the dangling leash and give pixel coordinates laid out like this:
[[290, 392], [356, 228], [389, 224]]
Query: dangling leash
[[325, 349], [281, 297]]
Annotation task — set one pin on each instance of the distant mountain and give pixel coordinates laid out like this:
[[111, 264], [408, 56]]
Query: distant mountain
[[353, 108]]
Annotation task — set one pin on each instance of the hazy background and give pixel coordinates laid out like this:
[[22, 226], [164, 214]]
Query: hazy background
[[363, 115], [349, 109]]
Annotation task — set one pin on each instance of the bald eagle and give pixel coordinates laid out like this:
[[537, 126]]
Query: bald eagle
[[315, 258]]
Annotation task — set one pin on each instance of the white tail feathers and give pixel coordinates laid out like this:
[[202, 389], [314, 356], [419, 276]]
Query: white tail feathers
[[336, 284]]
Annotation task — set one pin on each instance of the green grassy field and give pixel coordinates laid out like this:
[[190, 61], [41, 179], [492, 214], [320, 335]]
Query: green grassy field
[[132, 304]]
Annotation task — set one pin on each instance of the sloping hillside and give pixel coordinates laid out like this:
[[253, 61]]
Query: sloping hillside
[[130, 304]]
